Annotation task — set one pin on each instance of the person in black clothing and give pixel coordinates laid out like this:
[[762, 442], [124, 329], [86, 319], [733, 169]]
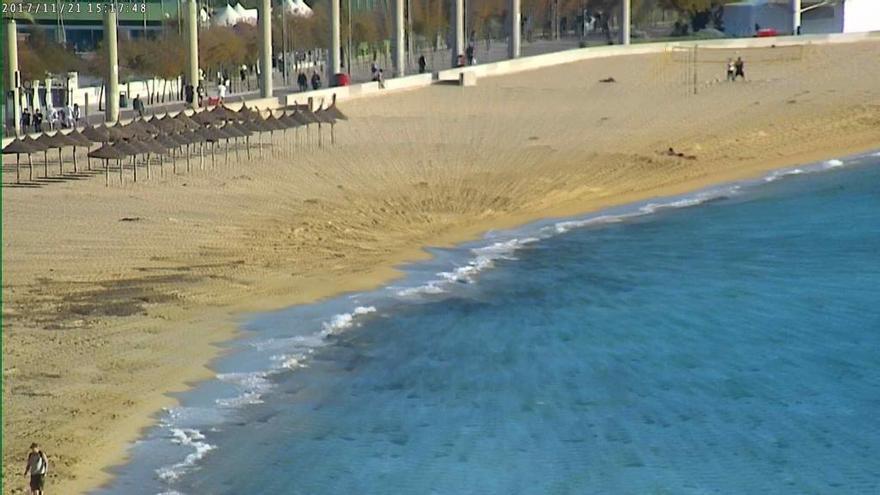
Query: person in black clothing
[[138, 105], [25, 119], [422, 64], [740, 68], [469, 52], [316, 81], [302, 81], [189, 93], [38, 120]]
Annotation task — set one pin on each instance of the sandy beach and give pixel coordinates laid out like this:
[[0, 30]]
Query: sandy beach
[[115, 298]]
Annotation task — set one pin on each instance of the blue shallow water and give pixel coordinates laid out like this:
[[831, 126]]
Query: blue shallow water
[[731, 347]]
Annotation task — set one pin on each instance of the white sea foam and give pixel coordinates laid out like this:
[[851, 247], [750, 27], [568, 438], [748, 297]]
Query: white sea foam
[[188, 438], [563, 227], [783, 173], [252, 385], [834, 163], [343, 321]]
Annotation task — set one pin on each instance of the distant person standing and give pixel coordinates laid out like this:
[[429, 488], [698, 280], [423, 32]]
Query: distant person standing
[[469, 53], [37, 466], [422, 64], [316, 81], [76, 114], [221, 91], [242, 72], [739, 68], [25, 119], [38, 120], [731, 70], [138, 105], [53, 119], [302, 81]]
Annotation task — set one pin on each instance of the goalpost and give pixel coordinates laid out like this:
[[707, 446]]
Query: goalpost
[[701, 64]]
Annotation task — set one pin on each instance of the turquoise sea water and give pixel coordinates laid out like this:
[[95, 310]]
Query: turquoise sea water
[[725, 342]]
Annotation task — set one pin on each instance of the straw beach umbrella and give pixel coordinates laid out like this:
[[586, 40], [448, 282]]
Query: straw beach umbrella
[[108, 152], [18, 147], [79, 140], [36, 146]]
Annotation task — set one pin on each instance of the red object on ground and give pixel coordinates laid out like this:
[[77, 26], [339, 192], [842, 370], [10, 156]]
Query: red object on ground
[[767, 33], [342, 79], [213, 101]]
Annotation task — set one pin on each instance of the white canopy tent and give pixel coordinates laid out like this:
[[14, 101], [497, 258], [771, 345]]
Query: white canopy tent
[[225, 16], [246, 15], [297, 8]]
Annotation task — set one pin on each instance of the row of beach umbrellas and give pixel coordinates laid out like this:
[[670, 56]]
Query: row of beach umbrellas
[[178, 136]]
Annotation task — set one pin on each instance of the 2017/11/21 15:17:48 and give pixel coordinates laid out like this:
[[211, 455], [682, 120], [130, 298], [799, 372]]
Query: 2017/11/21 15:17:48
[[37, 7]]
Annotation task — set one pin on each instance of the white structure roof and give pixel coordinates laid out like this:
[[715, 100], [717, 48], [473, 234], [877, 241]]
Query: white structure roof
[[225, 16], [296, 8]]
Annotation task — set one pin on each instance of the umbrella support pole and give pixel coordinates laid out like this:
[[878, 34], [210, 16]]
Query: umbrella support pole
[[320, 136], [106, 173], [30, 168], [148, 166], [201, 156], [74, 160], [226, 162], [247, 145], [332, 134], [188, 168], [60, 164], [17, 169], [46, 163]]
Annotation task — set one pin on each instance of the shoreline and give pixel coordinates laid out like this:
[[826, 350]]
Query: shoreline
[[454, 240], [293, 237]]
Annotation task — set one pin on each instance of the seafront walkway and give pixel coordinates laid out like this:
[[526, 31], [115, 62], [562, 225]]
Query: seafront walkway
[[539, 56]]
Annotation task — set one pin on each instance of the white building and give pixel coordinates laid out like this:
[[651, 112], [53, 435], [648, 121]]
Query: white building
[[818, 16]]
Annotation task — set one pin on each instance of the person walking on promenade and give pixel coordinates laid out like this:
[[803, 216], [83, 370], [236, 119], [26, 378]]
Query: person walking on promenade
[[302, 81], [37, 466], [76, 114], [316, 81], [469, 52], [422, 64], [38, 120], [138, 105], [740, 69], [25, 119]]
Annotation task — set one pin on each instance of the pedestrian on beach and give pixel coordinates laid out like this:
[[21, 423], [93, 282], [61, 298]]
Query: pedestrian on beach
[[53, 119], [221, 91], [469, 52], [739, 68], [37, 466], [422, 64], [731, 70], [316, 80], [76, 114], [302, 81]]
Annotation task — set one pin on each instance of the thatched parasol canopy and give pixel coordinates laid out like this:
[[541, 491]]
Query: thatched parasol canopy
[[17, 146], [108, 152]]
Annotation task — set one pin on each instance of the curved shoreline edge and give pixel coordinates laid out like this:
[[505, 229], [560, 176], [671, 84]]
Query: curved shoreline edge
[[393, 271]]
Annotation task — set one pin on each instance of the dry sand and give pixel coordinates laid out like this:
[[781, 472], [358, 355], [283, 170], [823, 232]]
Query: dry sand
[[105, 317]]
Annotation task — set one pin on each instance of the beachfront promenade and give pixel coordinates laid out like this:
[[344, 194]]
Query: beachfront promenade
[[540, 56]]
